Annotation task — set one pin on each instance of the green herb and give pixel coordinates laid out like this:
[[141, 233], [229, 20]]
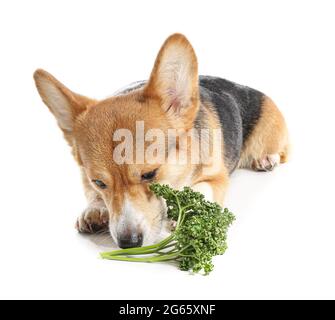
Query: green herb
[[199, 235]]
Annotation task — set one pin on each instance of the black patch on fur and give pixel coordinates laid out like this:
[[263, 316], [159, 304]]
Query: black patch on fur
[[132, 87], [200, 120], [238, 108]]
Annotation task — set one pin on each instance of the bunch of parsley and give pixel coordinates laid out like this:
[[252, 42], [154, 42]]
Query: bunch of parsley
[[199, 235]]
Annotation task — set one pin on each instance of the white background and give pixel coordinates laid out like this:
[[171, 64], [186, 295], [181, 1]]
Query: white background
[[282, 243]]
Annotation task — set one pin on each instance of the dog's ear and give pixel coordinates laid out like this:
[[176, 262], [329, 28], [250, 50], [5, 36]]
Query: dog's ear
[[174, 79], [62, 102]]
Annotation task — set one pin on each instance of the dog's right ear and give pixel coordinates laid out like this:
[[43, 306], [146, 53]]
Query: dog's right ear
[[174, 81], [62, 102]]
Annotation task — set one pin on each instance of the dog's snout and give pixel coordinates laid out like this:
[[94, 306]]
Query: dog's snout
[[131, 240]]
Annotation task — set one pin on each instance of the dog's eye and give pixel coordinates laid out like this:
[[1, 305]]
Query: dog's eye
[[100, 184], [149, 175]]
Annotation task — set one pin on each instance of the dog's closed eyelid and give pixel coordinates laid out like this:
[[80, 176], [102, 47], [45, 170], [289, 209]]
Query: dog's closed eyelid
[[147, 176], [100, 184]]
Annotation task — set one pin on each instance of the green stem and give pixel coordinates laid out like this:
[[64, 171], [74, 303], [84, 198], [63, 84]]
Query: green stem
[[142, 250], [182, 213], [174, 250], [180, 216], [186, 207], [147, 259], [168, 246]]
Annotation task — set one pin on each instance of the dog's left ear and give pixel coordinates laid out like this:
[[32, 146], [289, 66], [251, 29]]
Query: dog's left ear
[[64, 104], [174, 80]]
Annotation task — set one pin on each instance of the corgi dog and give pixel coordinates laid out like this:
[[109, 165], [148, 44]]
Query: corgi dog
[[253, 135]]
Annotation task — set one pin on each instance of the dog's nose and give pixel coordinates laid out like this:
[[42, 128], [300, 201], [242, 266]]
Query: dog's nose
[[132, 240]]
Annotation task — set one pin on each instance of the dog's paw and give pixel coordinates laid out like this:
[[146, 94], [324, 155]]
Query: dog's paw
[[268, 163], [94, 219]]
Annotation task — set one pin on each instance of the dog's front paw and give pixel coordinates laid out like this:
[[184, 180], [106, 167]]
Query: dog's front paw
[[94, 219]]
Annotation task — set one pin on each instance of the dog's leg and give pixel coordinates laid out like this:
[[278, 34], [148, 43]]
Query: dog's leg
[[95, 217], [206, 189], [214, 189], [268, 145]]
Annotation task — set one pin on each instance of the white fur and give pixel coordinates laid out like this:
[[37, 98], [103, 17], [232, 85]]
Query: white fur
[[175, 73], [131, 219], [206, 189], [274, 158]]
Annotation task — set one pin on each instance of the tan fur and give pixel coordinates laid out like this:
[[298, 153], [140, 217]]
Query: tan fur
[[270, 136], [93, 135]]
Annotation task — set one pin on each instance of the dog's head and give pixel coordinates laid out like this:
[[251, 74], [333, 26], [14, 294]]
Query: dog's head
[[98, 130]]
